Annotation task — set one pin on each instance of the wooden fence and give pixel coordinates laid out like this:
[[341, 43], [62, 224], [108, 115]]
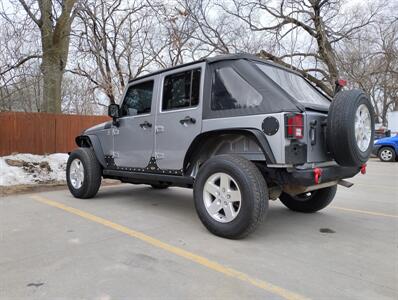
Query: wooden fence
[[41, 133]]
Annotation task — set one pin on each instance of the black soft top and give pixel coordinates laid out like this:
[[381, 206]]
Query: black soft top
[[215, 59], [275, 98]]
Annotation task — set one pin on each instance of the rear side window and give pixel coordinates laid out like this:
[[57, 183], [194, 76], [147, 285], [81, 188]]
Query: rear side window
[[295, 85], [181, 90], [231, 91], [138, 99]]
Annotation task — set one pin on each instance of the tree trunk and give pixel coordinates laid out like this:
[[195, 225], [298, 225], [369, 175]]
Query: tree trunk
[[52, 69], [55, 45], [325, 49], [54, 33]]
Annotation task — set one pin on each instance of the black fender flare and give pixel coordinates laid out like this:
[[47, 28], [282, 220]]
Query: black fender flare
[[257, 134], [91, 140]]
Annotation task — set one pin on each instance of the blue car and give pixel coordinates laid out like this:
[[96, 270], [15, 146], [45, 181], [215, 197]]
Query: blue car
[[386, 148]]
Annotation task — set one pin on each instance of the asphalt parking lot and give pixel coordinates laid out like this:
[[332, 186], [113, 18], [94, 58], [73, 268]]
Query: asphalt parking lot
[[133, 242]]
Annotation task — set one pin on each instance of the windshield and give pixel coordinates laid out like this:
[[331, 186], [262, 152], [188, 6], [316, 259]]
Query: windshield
[[295, 85]]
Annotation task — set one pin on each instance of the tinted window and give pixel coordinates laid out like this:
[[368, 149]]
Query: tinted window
[[138, 99], [295, 85], [231, 91], [181, 90]]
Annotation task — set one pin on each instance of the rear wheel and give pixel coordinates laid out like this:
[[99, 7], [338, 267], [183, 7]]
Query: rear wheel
[[231, 196], [83, 173], [309, 202], [387, 154]]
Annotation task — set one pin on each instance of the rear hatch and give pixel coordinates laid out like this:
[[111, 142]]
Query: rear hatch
[[312, 102], [315, 137], [305, 135]]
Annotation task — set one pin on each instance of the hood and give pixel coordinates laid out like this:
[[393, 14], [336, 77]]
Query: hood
[[98, 127], [385, 139]]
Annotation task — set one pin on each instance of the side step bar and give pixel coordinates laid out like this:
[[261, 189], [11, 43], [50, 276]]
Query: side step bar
[[148, 178]]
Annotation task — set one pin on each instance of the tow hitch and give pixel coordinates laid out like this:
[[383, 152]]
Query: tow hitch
[[345, 183]]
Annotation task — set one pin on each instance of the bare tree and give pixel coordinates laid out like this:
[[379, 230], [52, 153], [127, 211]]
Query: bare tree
[[109, 41], [173, 42], [22, 94], [370, 61], [78, 96], [53, 19], [114, 41], [314, 25], [216, 32], [19, 66]]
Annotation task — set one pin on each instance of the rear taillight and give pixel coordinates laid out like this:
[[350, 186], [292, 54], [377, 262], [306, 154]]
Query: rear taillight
[[294, 126]]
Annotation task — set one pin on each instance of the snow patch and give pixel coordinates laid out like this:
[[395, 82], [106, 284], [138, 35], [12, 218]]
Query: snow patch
[[31, 172]]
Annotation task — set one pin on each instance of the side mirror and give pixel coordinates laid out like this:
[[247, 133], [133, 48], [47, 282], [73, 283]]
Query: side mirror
[[114, 113]]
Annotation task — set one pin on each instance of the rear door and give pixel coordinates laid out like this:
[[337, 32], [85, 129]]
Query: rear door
[[179, 118], [315, 137], [134, 138]]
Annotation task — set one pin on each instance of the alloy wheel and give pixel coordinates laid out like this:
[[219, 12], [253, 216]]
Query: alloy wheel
[[222, 197]]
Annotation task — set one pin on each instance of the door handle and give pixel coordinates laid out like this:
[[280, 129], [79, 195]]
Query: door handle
[[146, 124], [187, 120]]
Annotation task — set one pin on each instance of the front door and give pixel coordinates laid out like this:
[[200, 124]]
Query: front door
[[179, 118], [134, 138]]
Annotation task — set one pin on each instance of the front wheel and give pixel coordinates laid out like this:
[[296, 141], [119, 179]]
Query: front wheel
[[311, 201], [387, 154], [230, 196], [83, 173]]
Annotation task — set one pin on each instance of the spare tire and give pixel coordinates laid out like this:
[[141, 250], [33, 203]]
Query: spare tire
[[350, 128]]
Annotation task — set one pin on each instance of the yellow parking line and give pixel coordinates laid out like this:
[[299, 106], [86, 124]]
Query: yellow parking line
[[269, 287], [367, 212]]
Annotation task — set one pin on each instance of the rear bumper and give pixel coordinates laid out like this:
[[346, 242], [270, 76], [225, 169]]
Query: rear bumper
[[307, 177]]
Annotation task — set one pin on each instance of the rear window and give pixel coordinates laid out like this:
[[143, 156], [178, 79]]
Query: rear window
[[295, 85]]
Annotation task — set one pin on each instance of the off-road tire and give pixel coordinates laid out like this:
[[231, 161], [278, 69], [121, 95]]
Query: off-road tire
[[340, 132], [160, 186], [92, 173], [318, 200], [254, 195], [393, 156]]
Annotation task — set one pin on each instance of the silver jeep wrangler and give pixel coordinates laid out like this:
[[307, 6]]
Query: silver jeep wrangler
[[236, 129]]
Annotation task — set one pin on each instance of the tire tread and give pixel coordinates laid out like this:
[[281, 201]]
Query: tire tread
[[92, 173], [259, 190], [340, 139]]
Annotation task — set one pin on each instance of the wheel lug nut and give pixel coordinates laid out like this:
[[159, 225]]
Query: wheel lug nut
[[228, 196]]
